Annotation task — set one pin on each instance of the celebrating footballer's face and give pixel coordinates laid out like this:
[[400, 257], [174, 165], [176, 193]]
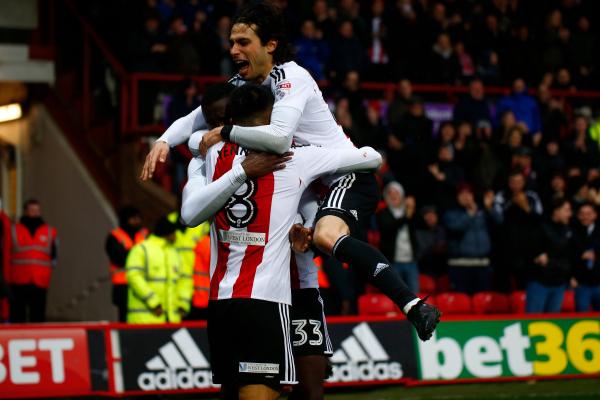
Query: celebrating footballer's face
[[252, 58]]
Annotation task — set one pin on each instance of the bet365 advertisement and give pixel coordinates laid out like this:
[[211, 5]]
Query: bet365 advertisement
[[511, 348]]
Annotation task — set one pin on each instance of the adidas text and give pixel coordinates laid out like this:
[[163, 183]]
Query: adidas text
[[186, 378], [367, 371]]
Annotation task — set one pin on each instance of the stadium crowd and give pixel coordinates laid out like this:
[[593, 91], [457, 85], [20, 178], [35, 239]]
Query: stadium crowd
[[500, 195], [484, 197]]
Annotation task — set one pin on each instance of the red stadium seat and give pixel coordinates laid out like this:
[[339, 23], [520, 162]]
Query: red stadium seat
[[490, 303], [517, 302], [376, 304], [453, 303], [443, 284], [430, 299], [370, 289], [568, 304], [426, 284]]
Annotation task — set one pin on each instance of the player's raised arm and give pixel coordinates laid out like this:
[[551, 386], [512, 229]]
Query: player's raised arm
[[319, 161], [177, 133], [202, 200]]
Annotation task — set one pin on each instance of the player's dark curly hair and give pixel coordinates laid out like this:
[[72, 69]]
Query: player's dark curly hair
[[269, 24], [247, 102]]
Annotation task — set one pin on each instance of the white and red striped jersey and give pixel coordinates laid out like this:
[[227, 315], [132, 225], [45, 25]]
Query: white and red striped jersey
[[250, 249]]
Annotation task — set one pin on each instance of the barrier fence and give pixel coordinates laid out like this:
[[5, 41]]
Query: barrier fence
[[106, 359]]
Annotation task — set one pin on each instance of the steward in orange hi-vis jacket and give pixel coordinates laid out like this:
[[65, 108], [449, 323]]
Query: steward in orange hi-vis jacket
[[118, 244], [32, 259]]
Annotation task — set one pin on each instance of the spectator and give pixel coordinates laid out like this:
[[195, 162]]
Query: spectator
[[199, 309], [396, 226], [311, 51], [148, 47], [410, 143], [586, 267], [347, 52], [522, 213], [184, 102], [186, 242], [465, 62], [377, 48], [444, 177], [555, 42], [32, 259], [525, 109], [158, 291], [182, 57], [581, 150], [432, 247], [469, 243], [5, 242], [118, 244], [322, 16], [553, 114], [582, 49], [444, 66], [226, 64], [473, 108], [550, 269], [520, 57], [401, 103], [206, 41]]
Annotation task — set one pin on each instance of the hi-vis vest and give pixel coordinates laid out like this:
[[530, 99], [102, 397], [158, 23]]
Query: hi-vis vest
[[117, 274], [31, 257], [202, 273], [155, 278]]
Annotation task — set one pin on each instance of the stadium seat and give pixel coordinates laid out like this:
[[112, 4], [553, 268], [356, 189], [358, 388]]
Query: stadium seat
[[568, 304], [426, 284], [517, 302], [443, 284], [376, 304], [430, 299], [490, 303], [370, 289], [453, 303]]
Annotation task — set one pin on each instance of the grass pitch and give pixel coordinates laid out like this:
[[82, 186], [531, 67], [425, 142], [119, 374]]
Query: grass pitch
[[575, 389]]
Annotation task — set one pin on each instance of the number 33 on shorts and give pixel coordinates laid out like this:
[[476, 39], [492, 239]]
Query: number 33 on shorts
[[307, 330]]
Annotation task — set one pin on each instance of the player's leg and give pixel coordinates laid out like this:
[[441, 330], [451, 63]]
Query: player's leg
[[311, 344], [312, 372], [257, 392], [352, 200]]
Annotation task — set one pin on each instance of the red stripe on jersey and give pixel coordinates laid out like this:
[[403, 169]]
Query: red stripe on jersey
[[224, 164], [294, 275], [254, 254]]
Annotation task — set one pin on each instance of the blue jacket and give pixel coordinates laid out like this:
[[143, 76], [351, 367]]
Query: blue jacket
[[469, 236], [525, 109]]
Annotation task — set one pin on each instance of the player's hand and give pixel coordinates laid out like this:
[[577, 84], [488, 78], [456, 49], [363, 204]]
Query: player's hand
[[181, 312], [159, 153], [158, 311], [258, 164], [211, 138], [300, 238]]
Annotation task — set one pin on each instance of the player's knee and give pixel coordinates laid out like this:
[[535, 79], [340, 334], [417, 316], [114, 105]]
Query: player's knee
[[257, 392], [327, 231]]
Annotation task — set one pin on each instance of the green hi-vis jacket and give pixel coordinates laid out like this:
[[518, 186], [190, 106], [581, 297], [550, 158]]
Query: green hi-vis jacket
[[156, 278]]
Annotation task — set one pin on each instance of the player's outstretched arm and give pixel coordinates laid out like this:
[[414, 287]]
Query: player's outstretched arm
[[177, 133], [201, 200]]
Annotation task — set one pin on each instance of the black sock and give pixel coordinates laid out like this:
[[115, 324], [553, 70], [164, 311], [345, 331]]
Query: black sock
[[370, 262]]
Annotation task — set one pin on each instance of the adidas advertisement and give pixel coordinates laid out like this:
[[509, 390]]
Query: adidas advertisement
[[511, 348], [372, 352], [165, 359]]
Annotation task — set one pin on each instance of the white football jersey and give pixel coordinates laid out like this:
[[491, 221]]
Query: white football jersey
[[250, 248]]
